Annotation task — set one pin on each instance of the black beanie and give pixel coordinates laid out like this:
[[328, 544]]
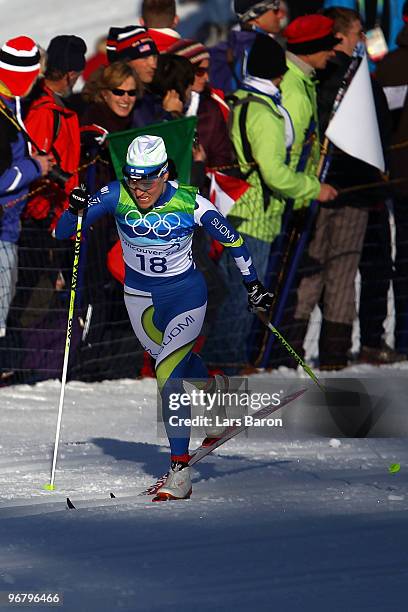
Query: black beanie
[[65, 53], [266, 58]]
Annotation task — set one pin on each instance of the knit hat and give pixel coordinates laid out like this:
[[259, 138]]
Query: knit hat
[[310, 34], [146, 158], [251, 9], [266, 58], [191, 49], [19, 64], [129, 43], [66, 52]]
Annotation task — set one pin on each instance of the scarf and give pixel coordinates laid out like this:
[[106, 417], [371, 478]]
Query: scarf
[[266, 87]]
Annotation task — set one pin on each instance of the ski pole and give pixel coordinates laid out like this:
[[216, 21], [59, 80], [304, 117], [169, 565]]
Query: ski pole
[[290, 350], [74, 281]]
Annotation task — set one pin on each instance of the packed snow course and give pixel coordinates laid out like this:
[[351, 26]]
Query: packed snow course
[[282, 520]]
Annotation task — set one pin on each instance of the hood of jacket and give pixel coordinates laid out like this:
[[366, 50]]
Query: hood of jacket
[[52, 101]]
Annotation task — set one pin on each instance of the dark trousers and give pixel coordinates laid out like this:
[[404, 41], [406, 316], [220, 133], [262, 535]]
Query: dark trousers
[[400, 282], [376, 271]]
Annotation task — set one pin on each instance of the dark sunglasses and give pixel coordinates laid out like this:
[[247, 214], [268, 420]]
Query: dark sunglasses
[[200, 72], [121, 92]]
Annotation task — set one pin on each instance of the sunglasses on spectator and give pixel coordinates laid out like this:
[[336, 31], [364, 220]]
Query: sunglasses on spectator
[[132, 93], [200, 71]]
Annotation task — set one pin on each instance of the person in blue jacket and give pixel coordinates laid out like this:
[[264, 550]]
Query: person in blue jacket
[[228, 57], [165, 294], [19, 68]]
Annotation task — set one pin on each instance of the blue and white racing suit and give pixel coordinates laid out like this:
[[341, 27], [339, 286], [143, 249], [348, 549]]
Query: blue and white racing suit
[[165, 295]]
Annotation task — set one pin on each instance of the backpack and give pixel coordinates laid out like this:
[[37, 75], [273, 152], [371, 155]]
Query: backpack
[[235, 102]]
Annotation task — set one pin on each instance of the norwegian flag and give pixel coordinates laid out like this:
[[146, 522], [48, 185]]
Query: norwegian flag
[[226, 190]]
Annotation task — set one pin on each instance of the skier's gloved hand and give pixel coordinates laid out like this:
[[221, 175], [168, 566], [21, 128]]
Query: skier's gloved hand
[[78, 200], [259, 298]]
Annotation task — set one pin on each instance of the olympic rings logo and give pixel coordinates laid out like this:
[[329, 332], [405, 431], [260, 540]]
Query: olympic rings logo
[[161, 226]]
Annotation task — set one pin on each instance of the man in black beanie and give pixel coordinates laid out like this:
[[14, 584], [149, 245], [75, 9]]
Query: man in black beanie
[[55, 129], [262, 133], [66, 53]]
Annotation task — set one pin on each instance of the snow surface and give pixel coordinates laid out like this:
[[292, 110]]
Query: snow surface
[[286, 521]]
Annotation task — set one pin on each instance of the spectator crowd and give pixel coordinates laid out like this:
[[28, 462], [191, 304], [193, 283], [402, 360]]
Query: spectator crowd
[[263, 99]]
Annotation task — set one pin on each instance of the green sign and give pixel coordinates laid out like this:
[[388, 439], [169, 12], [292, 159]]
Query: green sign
[[178, 137]]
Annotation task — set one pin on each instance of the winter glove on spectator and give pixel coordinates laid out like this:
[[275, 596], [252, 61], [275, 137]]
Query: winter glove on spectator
[[259, 298], [78, 200], [93, 137]]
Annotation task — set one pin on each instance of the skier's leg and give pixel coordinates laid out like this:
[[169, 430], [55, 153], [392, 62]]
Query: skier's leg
[[141, 312], [172, 367], [179, 312], [197, 367]]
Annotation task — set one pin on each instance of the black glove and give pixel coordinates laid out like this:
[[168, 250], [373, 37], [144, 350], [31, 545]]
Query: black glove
[[259, 298], [92, 137], [78, 199]]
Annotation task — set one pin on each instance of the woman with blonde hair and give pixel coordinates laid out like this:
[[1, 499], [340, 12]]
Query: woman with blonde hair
[[111, 93]]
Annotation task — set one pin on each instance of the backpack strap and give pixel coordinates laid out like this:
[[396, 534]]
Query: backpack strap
[[235, 101], [55, 132], [267, 192]]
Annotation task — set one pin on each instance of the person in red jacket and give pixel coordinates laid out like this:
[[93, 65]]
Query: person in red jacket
[[54, 127]]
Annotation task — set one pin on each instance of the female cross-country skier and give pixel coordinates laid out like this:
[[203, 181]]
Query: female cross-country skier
[[165, 294]]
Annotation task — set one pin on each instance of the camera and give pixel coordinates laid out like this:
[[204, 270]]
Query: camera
[[59, 176]]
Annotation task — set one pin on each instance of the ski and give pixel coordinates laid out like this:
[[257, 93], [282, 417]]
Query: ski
[[202, 451], [234, 430]]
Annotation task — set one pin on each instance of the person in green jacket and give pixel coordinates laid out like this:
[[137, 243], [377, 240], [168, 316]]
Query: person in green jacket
[[262, 134], [310, 43]]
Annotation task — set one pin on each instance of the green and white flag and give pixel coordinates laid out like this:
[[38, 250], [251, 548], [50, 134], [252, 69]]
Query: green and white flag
[[178, 137]]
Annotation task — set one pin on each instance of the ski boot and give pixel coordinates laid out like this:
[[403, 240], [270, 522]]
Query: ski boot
[[178, 484]]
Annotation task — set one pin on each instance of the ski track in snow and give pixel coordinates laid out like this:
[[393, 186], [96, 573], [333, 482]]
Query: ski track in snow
[[283, 521]]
